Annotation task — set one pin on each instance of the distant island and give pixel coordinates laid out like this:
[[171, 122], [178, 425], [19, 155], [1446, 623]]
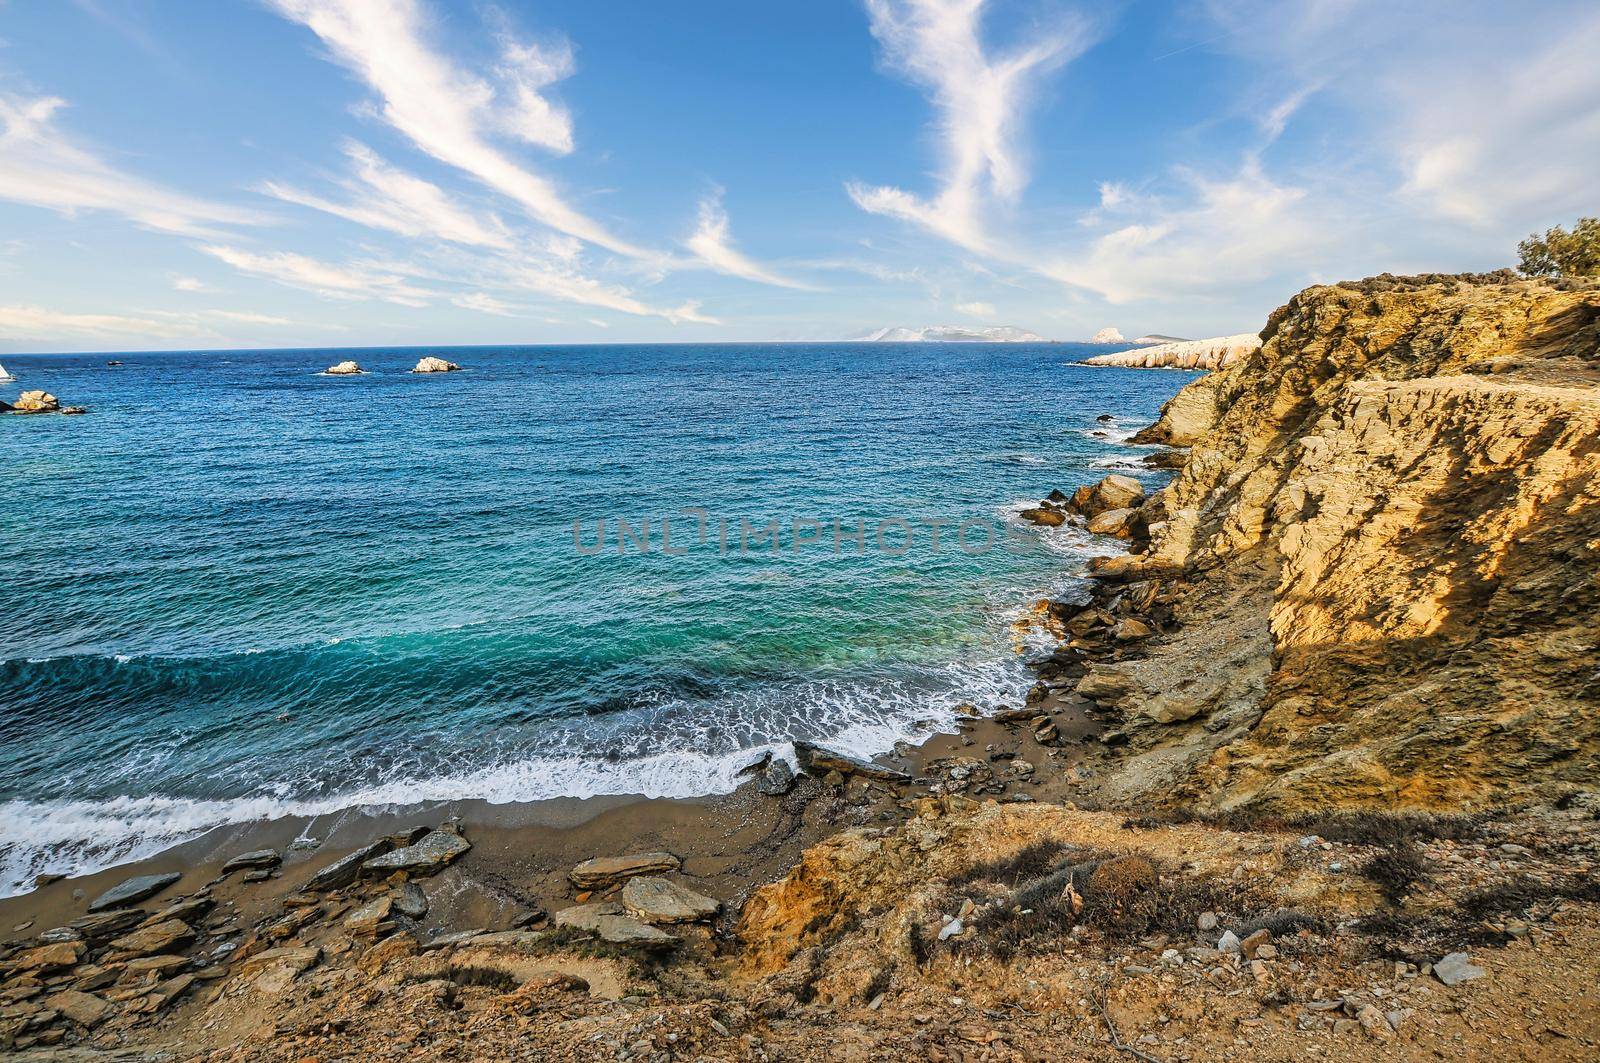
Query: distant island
[[953, 334]]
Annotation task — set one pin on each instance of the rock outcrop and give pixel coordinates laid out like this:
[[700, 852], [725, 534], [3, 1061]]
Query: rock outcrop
[[431, 364], [1218, 353], [39, 402], [348, 368], [1383, 557]]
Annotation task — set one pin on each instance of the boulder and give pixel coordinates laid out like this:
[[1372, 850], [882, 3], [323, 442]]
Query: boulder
[[37, 402], [1112, 522], [296, 959], [1114, 492], [607, 922], [410, 901], [1105, 685], [261, 858], [1050, 518], [133, 890], [104, 924], [434, 851], [1171, 708], [431, 364], [816, 760], [777, 778], [344, 870], [604, 871], [348, 368], [659, 900]]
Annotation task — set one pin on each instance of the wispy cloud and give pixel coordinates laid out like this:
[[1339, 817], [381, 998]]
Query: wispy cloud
[[323, 278], [1215, 232], [381, 196], [713, 245], [42, 167], [189, 284], [980, 98], [36, 322], [451, 114]]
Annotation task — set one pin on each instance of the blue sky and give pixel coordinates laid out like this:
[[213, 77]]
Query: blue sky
[[356, 172]]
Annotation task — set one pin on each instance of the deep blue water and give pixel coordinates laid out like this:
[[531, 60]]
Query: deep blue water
[[239, 588]]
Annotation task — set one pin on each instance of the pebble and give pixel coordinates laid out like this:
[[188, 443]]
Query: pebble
[[1228, 942], [1207, 921], [1456, 968]]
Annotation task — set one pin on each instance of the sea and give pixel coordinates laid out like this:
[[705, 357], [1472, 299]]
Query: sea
[[240, 588]]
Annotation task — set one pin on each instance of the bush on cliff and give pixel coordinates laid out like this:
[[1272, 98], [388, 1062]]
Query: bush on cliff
[[1559, 253]]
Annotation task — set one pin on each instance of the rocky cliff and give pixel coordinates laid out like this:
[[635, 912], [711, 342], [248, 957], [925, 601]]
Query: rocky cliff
[[1218, 353], [1381, 557]]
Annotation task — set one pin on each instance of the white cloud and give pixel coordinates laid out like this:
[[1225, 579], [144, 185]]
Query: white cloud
[[976, 309], [35, 322], [189, 284], [979, 97], [449, 113], [1218, 234], [42, 167], [713, 245], [309, 274], [246, 317], [484, 303], [555, 280], [384, 197]]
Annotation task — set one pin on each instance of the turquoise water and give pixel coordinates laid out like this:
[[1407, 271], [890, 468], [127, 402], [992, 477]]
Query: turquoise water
[[239, 588]]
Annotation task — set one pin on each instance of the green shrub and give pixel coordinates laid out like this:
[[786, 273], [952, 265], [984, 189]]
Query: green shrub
[[1559, 253]]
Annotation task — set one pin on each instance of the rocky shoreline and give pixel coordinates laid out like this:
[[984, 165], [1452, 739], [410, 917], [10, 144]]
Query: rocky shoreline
[[1310, 771]]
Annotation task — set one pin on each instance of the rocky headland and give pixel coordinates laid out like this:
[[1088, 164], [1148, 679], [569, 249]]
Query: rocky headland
[[1218, 353], [1310, 772]]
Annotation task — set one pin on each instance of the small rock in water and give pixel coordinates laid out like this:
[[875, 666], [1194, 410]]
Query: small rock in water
[[345, 368], [432, 364], [1456, 968], [133, 890], [776, 779]]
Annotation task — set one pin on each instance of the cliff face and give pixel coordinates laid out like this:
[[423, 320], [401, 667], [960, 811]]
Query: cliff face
[[1388, 530], [1219, 353]]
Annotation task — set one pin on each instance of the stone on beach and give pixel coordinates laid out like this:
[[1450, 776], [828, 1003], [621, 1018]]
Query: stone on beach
[[161, 937], [1112, 493], [346, 368], [345, 870], [435, 850], [604, 871], [432, 364], [606, 921], [261, 858], [658, 900], [817, 760], [133, 890], [1050, 518], [85, 1009]]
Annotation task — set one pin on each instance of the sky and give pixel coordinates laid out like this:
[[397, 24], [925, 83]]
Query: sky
[[292, 173]]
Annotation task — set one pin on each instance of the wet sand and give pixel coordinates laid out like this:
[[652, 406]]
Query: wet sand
[[516, 871]]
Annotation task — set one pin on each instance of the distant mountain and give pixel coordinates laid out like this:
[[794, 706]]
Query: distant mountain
[[1156, 337], [953, 334]]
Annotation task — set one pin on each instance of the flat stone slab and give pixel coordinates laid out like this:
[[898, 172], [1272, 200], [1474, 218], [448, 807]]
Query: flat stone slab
[[817, 760], [132, 891], [296, 959], [162, 937], [344, 870], [659, 900], [607, 922], [1457, 968], [253, 861], [434, 851], [603, 871]]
